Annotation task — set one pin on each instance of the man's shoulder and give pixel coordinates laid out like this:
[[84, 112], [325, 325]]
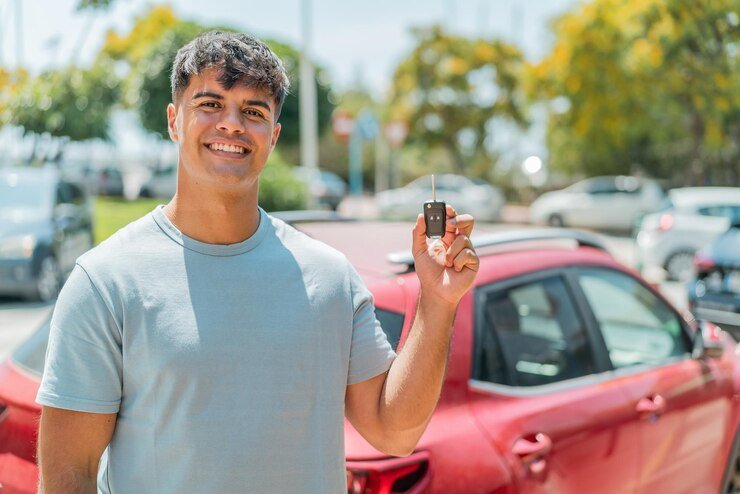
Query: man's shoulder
[[300, 243], [122, 245]]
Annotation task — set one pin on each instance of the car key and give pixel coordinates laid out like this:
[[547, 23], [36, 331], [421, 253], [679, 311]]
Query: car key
[[435, 215]]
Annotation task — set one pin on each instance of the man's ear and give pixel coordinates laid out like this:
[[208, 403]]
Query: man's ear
[[171, 122], [275, 135]]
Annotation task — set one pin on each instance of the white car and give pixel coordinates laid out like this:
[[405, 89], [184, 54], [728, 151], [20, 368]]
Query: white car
[[478, 198], [612, 203], [162, 183], [692, 218]]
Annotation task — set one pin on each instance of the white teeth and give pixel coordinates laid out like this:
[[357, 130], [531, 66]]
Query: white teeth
[[228, 148]]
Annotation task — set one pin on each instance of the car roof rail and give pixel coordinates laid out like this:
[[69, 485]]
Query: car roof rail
[[583, 239], [308, 216]]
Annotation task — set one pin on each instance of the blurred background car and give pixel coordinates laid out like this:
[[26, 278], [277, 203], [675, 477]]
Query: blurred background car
[[45, 224], [608, 202], [714, 292], [327, 188], [689, 219], [162, 183], [478, 198]]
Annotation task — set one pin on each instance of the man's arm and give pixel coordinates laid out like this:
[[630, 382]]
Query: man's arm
[[70, 445], [392, 410]]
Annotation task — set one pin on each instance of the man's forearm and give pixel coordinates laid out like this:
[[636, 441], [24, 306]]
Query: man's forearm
[[69, 482], [414, 381]]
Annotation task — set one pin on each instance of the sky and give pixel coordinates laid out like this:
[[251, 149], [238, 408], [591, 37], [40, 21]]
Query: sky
[[355, 41]]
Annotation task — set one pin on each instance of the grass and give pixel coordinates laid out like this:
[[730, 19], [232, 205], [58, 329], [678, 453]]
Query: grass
[[112, 214]]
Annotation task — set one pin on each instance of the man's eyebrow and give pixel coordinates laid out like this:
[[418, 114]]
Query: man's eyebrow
[[258, 102], [207, 94]]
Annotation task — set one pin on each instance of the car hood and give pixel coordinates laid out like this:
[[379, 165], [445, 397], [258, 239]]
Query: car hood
[[12, 228], [726, 249]]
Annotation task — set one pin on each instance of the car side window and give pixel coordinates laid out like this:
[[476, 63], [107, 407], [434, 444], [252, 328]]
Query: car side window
[[638, 328], [531, 335]]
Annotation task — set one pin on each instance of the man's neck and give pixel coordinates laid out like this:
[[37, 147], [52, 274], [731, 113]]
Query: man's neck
[[215, 220]]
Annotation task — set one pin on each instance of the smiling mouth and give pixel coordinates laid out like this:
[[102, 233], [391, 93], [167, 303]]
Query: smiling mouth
[[227, 148]]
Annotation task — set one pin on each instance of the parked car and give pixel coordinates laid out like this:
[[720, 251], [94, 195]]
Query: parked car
[[162, 183], [691, 218], [567, 373], [714, 291], [478, 198], [326, 187], [45, 224], [611, 203]]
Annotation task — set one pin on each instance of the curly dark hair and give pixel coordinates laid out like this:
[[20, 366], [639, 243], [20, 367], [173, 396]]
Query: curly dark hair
[[241, 58]]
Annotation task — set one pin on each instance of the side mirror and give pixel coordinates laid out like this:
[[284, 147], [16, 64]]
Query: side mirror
[[707, 341]]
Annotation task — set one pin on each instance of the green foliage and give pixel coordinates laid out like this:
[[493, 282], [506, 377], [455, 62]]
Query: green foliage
[[280, 190], [450, 88], [73, 103], [645, 86]]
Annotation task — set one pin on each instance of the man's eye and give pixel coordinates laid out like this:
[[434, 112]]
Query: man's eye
[[210, 104], [253, 113]]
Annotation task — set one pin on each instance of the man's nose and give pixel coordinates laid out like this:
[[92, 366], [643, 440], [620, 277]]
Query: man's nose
[[231, 121]]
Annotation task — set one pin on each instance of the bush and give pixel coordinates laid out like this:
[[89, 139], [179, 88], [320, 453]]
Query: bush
[[280, 190]]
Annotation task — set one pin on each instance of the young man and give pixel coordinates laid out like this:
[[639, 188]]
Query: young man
[[209, 347]]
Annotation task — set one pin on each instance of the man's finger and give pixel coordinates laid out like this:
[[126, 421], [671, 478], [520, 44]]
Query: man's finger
[[462, 223], [467, 258], [419, 236], [461, 242]]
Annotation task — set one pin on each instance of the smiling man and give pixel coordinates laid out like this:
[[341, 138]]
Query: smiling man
[[209, 347]]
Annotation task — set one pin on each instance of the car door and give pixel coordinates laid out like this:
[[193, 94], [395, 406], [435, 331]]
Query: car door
[[539, 394], [683, 405], [72, 234]]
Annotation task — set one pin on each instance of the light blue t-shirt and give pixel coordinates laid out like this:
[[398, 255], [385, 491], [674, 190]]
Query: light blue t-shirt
[[227, 364]]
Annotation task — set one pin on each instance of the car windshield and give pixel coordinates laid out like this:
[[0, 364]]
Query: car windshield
[[32, 353], [22, 194], [392, 324]]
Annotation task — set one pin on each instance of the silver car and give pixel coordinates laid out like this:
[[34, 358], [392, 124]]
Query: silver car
[[478, 198], [612, 203], [692, 218]]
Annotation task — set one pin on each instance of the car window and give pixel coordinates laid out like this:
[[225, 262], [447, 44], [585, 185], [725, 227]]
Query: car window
[[720, 211], [32, 353], [531, 335], [638, 328], [68, 193], [391, 323], [602, 186]]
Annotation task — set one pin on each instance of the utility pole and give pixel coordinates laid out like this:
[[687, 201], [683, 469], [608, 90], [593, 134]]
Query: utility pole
[[18, 34], [308, 105]]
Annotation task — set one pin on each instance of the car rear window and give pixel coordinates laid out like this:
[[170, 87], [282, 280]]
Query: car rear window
[[392, 324], [32, 353]]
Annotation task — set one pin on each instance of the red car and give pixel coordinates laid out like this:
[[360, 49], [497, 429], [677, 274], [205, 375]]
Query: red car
[[568, 373]]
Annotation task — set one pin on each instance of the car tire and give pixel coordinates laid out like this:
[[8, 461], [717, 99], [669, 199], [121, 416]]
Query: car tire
[[679, 265], [48, 282], [555, 220]]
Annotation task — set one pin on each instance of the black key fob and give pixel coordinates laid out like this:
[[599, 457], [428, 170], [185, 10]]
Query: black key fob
[[435, 218]]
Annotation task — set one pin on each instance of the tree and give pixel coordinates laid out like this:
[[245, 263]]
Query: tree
[[644, 86], [71, 104], [451, 88]]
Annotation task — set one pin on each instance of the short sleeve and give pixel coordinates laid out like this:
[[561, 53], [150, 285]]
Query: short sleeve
[[371, 354], [83, 368]]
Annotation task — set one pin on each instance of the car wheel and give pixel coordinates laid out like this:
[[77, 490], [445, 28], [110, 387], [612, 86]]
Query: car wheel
[[48, 282], [556, 220], [680, 266]]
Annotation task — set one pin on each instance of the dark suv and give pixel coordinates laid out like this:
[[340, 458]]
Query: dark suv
[[45, 224]]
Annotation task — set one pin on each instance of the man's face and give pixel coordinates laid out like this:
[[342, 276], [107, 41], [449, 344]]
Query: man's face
[[224, 136]]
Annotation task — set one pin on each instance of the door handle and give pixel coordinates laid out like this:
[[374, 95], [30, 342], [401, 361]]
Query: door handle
[[653, 405], [532, 453]]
